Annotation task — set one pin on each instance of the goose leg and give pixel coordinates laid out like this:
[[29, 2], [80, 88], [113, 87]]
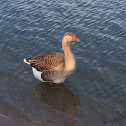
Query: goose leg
[[51, 83]]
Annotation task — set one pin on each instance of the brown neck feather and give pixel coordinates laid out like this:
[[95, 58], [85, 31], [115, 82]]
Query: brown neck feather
[[69, 58]]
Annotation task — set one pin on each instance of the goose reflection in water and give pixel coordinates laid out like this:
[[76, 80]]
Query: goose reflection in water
[[59, 98]]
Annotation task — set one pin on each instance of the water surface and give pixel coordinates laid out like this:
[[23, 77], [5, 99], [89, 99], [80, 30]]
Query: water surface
[[96, 93]]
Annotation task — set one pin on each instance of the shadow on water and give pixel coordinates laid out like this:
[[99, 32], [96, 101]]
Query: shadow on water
[[60, 98]]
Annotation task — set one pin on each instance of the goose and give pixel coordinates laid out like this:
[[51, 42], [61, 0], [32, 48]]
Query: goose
[[56, 66]]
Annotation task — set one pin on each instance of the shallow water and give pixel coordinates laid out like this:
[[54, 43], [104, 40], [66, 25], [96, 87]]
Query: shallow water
[[96, 92]]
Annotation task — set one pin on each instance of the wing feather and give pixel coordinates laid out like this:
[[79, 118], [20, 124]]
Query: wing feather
[[53, 61]]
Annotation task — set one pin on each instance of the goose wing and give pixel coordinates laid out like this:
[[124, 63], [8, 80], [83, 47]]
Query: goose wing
[[53, 61]]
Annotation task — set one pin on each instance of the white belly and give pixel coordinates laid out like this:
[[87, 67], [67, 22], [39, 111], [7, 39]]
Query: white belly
[[57, 79], [37, 74]]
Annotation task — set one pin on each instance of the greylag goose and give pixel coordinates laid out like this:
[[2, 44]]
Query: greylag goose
[[56, 66]]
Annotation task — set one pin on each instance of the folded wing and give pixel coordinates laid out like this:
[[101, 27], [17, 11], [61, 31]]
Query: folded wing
[[54, 62]]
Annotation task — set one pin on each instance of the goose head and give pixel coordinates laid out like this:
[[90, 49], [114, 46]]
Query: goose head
[[68, 37]]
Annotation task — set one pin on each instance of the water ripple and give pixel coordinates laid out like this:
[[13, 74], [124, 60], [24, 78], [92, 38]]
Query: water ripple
[[29, 28]]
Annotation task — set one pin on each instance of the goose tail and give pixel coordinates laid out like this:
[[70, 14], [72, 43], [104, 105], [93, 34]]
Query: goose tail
[[25, 61]]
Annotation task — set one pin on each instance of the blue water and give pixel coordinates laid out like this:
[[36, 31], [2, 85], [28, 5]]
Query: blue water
[[29, 28]]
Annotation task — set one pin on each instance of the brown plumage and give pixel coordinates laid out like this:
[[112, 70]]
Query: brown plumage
[[52, 61], [56, 66]]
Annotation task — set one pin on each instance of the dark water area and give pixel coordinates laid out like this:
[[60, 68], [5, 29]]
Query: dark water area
[[95, 95]]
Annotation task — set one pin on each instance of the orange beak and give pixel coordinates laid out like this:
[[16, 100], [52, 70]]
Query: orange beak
[[75, 38]]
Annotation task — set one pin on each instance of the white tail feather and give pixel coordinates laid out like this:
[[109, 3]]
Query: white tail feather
[[26, 61]]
